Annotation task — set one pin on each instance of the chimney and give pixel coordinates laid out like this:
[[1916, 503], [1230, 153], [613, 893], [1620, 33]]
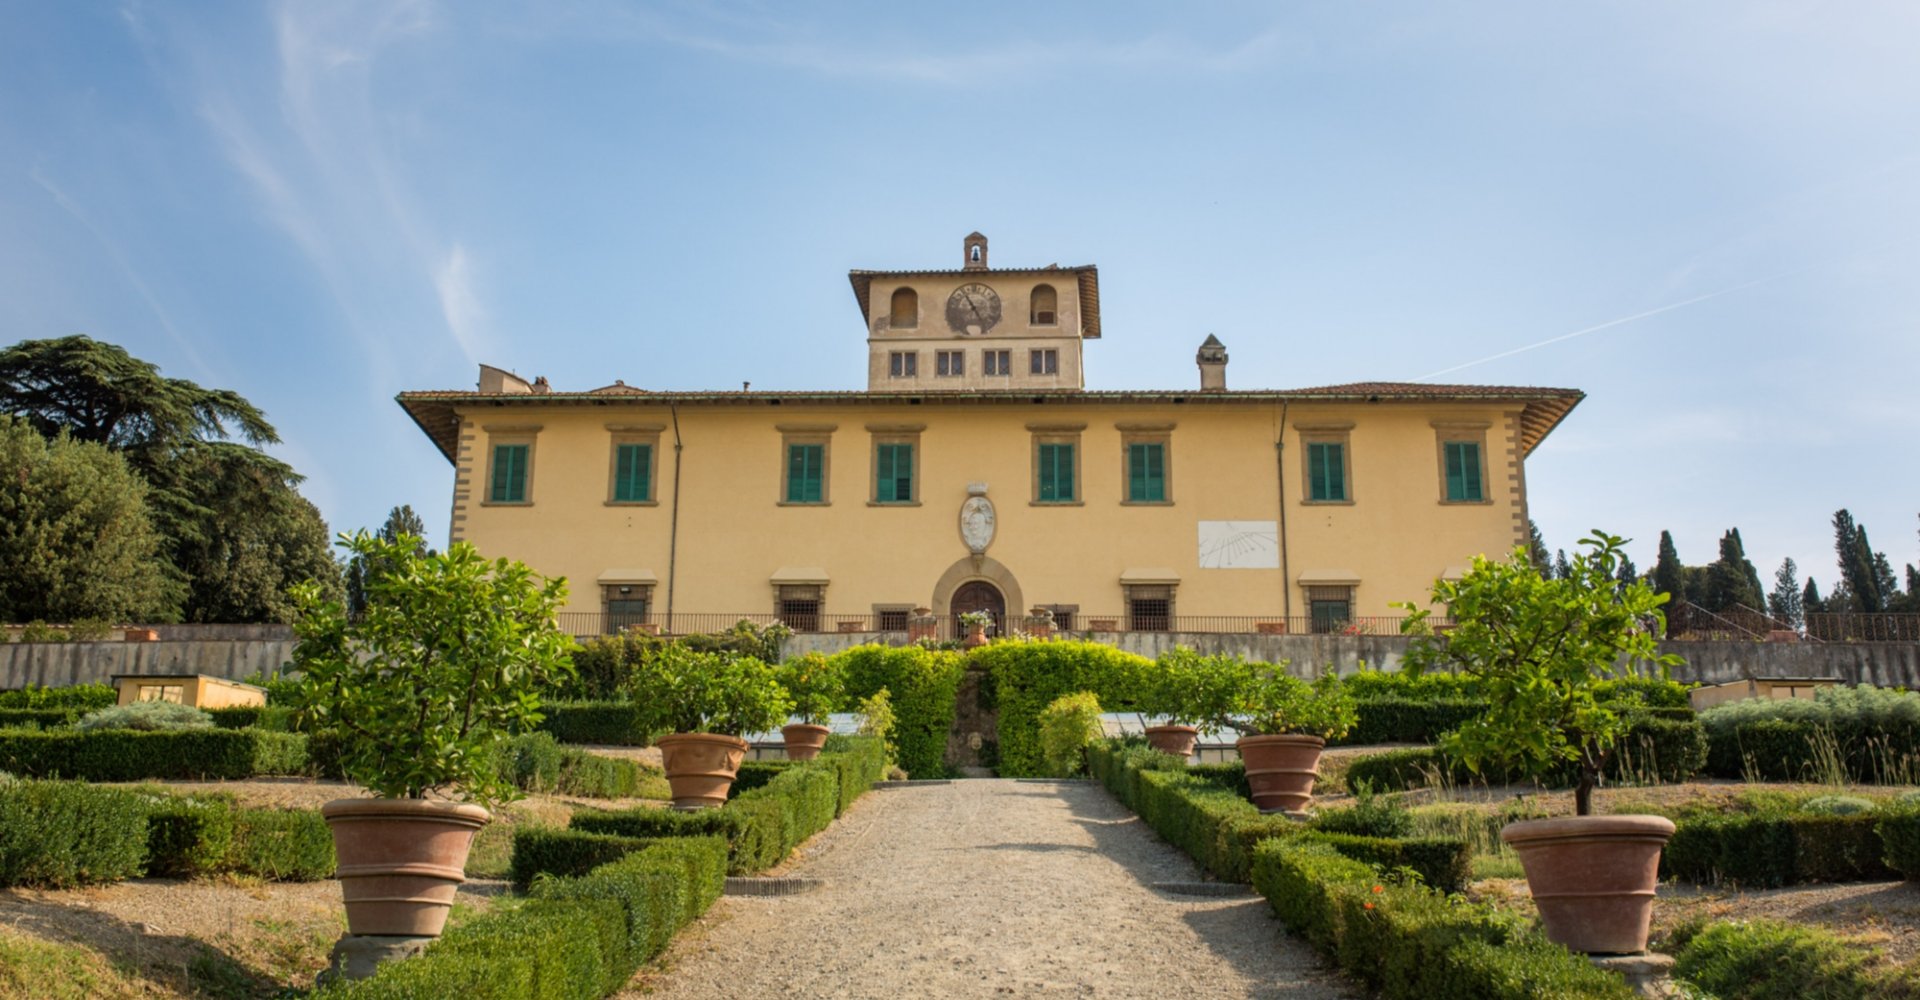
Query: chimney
[[975, 258], [1213, 365]]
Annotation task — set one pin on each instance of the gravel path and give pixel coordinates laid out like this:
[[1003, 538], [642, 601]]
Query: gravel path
[[986, 887]]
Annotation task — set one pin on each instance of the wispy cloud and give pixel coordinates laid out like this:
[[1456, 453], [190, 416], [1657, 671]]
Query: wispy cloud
[[458, 303]]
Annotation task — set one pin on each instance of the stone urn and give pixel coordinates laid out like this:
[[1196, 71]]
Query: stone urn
[[1593, 877], [804, 740], [1281, 770], [400, 861], [700, 767], [1176, 740]]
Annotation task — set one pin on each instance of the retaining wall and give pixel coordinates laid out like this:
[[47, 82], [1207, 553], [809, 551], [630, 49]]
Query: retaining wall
[[59, 664]]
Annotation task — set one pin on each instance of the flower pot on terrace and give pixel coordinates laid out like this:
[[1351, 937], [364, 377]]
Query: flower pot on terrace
[[804, 740], [1176, 740], [1593, 877], [700, 767], [400, 861], [1281, 771], [976, 636]]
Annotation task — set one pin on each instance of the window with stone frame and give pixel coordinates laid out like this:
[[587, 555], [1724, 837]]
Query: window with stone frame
[[1326, 475], [624, 605], [1149, 608], [949, 364], [903, 364], [798, 606], [1330, 608]]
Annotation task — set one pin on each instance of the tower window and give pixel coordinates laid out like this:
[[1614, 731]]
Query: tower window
[[1045, 306], [906, 309], [997, 362], [950, 363], [973, 253], [903, 364], [1044, 362]]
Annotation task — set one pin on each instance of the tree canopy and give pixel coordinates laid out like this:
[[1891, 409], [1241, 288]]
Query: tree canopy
[[98, 392]]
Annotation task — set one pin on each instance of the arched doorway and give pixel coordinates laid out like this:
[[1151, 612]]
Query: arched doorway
[[979, 595]]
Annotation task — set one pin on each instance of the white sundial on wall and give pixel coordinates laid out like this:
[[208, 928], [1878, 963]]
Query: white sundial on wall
[[977, 519]]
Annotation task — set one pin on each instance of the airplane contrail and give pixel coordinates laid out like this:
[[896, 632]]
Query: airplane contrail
[[1622, 321]]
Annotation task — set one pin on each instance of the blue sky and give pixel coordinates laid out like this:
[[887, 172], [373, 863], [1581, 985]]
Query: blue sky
[[322, 204]]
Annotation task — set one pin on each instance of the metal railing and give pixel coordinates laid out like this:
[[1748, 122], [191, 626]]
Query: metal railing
[[583, 623], [1882, 627], [1690, 623]]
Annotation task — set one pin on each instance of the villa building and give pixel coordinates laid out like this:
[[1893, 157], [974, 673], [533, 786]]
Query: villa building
[[976, 472]]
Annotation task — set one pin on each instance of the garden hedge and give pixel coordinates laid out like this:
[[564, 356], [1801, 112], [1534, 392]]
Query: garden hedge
[[127, 755], [577, 939], [1025, 677], [37, 718], [921, 684], [1870, 734], [1771, 960], [617, 723], [762, 826], [1667, 750], [1411, 942], [81, 697], [1395, 719], [1213, 822], [1429, 686], [278, 718], [1770, 850], [64, 833], [537, 763]]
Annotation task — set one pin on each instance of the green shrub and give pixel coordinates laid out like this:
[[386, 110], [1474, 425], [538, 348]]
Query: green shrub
[[603, 667], [146, 716], [278, 718], [1371, 815], [127, 755], [576, 939], [1838, 805], [1027, 676], [1409, 942], [921, 685], [1771, 960], [764, 825], [84, 697], [1432, 685], [614, 723], [1390, 719], [1653, 749], [283, 845], [592, 776], [754, 774], [1067, 725], [189, 836], [1899, 830], [58, 834], [566, 853], [1872, 734], [39, 631], [1769, 850], [37, 718]]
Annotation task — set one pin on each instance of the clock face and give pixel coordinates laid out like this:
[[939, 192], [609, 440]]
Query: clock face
[[973, 309]]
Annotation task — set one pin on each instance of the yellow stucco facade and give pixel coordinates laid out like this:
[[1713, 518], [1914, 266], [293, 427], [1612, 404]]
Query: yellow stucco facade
[[1254, 509]]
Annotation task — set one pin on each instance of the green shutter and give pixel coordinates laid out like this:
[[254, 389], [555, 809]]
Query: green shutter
[[806, 473], [632, 473], [509, 474], [1146, 473], [1326, 471], [1463, 471], [893, 473], [1056, 473]]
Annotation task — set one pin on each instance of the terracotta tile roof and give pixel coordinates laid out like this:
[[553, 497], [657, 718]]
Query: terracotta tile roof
[[436, 410], [1087, 275]]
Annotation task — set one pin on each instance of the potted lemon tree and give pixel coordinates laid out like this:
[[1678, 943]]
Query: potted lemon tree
[[817, 686], [1284, 723], [447, 660], [706, 701], [1540, 648], [1184, 689]]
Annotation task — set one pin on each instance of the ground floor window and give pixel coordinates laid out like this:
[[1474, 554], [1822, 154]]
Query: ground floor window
[[1149, 608], [891, 619], [625, 605], [798, 606], [1331, 608]]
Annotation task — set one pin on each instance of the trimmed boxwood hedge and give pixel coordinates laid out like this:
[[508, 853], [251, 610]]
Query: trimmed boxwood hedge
[[37, 718], [1652, 692], [1772, 960], [127, 755], [1207, 817], [762, 826], [1392, 719], [81, 697], [1899, 830], [1670, 750], [61, 833], [1767, 851], [1412, 943], [577, 939], [617, 723]]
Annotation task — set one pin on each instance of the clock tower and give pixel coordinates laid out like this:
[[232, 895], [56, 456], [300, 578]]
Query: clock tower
[[978, 328]]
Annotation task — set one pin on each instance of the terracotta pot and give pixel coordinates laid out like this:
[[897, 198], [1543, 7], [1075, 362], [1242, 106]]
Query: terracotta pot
[[1176, 740], [976, 636], [804, 740], [400, 861], [1281, 771], [700, 767], [1593, 877]]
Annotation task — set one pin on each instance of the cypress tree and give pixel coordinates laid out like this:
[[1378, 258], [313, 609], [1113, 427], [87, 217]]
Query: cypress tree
[[1537, 547], [1667, 576], [1731, 579], [1810, 602], [1856, 563]]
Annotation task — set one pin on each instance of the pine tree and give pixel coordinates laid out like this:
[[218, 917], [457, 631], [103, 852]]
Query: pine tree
[[1561, 568], [1884, 581], [401, 520], [1786, 602]]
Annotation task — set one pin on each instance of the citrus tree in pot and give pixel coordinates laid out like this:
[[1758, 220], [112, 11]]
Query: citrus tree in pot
[[1184, 691], [1284, 724], [447, 660], [1540, 648], [706, 701], [817, 685]]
